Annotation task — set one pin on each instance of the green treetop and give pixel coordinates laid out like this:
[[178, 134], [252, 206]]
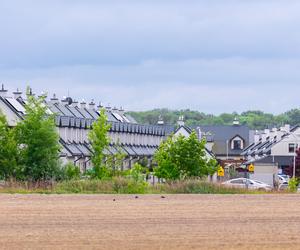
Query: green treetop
[[39, 140], [9, 155], [99, 140], [181, 157]]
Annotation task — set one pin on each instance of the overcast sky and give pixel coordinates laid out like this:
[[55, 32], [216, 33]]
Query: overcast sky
[[212, 56]]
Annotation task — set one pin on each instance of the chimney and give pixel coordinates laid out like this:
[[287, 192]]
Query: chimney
[[42, 94], [64, 100], [199, 133], [256, 137], [180, 121], [264, 137], [92, 105], [280, 133], [100, 106], [273, 133], [74, 103], [286, 128], [17, 94], [108, 108], [54, 99], [3, 91], [83, 104], [121, 110], [30, 92], [236, 122], [160, 120], [267, 132]]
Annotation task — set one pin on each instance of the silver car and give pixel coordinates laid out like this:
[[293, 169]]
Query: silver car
[[247, 184]]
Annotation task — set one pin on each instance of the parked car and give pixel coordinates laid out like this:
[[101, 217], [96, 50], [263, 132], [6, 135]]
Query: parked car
[[283, 178], [247, 183], [283, 186]]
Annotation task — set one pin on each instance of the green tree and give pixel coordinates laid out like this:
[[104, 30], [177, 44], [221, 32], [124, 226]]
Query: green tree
[[39, 140], [293, 116], [99, 140], [181, 157], [71, 172], [114, 163], [9, 153]]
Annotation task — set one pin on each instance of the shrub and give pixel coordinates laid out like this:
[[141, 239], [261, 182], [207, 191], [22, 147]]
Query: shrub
[[293, 184], [136, 172], [72, 172]]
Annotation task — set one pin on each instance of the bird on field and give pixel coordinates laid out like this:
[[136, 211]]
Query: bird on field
[[163, 197], [136, 197]]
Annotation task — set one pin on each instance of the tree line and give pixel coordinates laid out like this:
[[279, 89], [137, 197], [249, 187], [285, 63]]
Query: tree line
[[253, 119]]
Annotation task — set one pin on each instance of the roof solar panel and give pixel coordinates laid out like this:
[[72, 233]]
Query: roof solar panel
[[93, 113], [54, 109], [118, 117], [110, 117], [84, 113], [126, 119], [64, 109], [17, 106], [75, 112]]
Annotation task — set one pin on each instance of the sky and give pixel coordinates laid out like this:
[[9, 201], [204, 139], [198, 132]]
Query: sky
[[211, 56]]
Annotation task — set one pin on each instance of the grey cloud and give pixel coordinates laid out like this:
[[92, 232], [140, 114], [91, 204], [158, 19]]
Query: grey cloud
[[51, 33], [212, 86]]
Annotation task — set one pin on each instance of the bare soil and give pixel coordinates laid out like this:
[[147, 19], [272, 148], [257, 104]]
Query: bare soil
[[150, 222]]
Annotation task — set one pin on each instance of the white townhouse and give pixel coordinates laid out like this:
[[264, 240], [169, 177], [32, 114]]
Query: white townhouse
[[74, 120], [276, 146]]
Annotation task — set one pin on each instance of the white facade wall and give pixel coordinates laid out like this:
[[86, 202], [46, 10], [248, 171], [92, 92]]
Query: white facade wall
[[11, 117]]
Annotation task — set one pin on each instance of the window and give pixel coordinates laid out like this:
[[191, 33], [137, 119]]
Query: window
[[237, 144], [238, 181], [292, 148]]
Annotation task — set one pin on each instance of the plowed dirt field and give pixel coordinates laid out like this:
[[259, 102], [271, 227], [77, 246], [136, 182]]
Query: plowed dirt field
[[149, 222]]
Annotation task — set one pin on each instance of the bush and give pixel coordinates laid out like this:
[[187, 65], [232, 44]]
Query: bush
[[137, 172], [129, 186], [72, 172], [99, 173], [293, 184]]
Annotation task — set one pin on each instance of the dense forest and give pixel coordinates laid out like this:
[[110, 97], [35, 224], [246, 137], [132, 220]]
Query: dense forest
[[254, 119]]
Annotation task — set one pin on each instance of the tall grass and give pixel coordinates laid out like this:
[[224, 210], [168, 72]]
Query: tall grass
[[122, 185], [198, 187], [118, 185]]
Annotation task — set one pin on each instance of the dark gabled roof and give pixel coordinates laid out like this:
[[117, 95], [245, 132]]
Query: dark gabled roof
[[186, 128], [221, 136], [159, 130]]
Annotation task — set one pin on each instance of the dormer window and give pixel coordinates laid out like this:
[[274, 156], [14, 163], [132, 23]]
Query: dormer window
[[237, 143]]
